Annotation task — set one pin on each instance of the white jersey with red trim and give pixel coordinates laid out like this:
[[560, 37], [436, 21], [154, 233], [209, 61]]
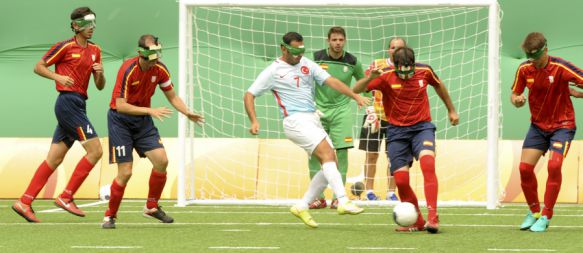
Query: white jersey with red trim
[[292, 86]]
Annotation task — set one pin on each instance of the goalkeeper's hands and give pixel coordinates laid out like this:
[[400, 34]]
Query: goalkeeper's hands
[[372, 120]]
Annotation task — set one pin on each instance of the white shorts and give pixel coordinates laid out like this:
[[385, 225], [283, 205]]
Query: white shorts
[[305, 130]]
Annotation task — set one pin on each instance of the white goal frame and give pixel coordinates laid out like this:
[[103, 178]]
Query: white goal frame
[[185, 87]]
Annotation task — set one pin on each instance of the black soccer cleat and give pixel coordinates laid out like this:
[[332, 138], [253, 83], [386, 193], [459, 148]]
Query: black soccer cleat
[[158, 214]]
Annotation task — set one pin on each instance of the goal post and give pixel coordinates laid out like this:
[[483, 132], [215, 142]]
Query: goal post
[[223, 45]]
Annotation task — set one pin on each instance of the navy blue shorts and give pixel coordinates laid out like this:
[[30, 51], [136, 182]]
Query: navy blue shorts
[[558, 140], [73, 124], [128, 132], [406, 142]]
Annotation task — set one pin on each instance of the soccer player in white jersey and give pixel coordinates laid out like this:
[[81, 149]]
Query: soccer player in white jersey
[[291, 80]]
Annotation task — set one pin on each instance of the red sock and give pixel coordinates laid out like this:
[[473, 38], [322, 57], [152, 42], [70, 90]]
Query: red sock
[[430, 182], [81, 172], [553, 183], [115, 198], [157, 182], [529, 186], [406, 193], [38, 181]]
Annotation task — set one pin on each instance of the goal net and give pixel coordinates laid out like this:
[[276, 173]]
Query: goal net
[[224, 48]]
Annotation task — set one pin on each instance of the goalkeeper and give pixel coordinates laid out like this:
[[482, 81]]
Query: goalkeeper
[[336, 113], [374, 128]]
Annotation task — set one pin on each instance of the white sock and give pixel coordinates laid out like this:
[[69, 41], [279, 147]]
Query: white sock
[[335, 181], [316, 187]]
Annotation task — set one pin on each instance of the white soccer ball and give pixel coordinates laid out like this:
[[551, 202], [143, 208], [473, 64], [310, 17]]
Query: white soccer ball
[[104, 192], [405, 214]]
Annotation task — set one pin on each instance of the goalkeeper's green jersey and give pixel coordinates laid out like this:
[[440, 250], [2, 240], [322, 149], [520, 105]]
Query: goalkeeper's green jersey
[[343, 69]]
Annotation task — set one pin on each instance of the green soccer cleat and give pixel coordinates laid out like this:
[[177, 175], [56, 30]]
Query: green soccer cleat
[[529, 220], [349, 208], [305, 216], [541, 225]]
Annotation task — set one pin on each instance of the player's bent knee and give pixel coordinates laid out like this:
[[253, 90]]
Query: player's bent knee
[[54, 162], [426, 152], [124, 176], [161, 165]]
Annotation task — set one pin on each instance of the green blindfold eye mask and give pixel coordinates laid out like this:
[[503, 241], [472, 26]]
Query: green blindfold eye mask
[[535, 55], [405, 70], [86, 22], [294, 50], [152, 53]]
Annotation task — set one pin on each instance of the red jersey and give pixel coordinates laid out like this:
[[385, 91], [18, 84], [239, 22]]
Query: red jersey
[[138, 86], [405, 101], [74, 61], [548, 98]]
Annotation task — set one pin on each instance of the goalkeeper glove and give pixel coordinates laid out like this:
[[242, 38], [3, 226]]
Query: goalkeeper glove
[[372, 120]]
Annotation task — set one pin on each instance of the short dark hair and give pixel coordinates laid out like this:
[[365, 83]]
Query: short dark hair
[[534, 41], [147, 37], [292, 36], [336, 29], [81, 12], [404, 56]]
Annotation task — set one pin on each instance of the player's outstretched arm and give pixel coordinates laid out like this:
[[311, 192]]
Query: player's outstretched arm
[[444, 95], [43, 70], [342, 88], [575, 93], [517, 100], [179, 105], [249, 101], [126, 108], [361, 84]]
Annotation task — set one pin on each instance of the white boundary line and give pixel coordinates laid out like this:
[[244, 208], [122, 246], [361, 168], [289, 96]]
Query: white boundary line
[[83, 205], [378, 248], [244, 248], [323, 213], [107, 247], [524, 250], [254, 224], [235, 230]]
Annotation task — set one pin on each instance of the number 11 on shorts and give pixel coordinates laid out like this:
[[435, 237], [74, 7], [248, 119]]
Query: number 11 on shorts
[[121, 150]]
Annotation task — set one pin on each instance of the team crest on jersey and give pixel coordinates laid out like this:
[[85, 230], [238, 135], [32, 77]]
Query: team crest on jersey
[[551, 79], [421, 83], [345, 69], [305, 70], [154, 79], [93, 57]]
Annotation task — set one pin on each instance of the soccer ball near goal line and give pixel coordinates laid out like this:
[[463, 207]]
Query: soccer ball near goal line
[[104, 192], [405, 214]]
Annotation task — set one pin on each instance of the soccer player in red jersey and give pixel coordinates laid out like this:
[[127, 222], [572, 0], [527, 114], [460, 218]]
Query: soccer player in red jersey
[[131, 127], [374, 128], [75, 60], [410, 133], [552, 123]]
